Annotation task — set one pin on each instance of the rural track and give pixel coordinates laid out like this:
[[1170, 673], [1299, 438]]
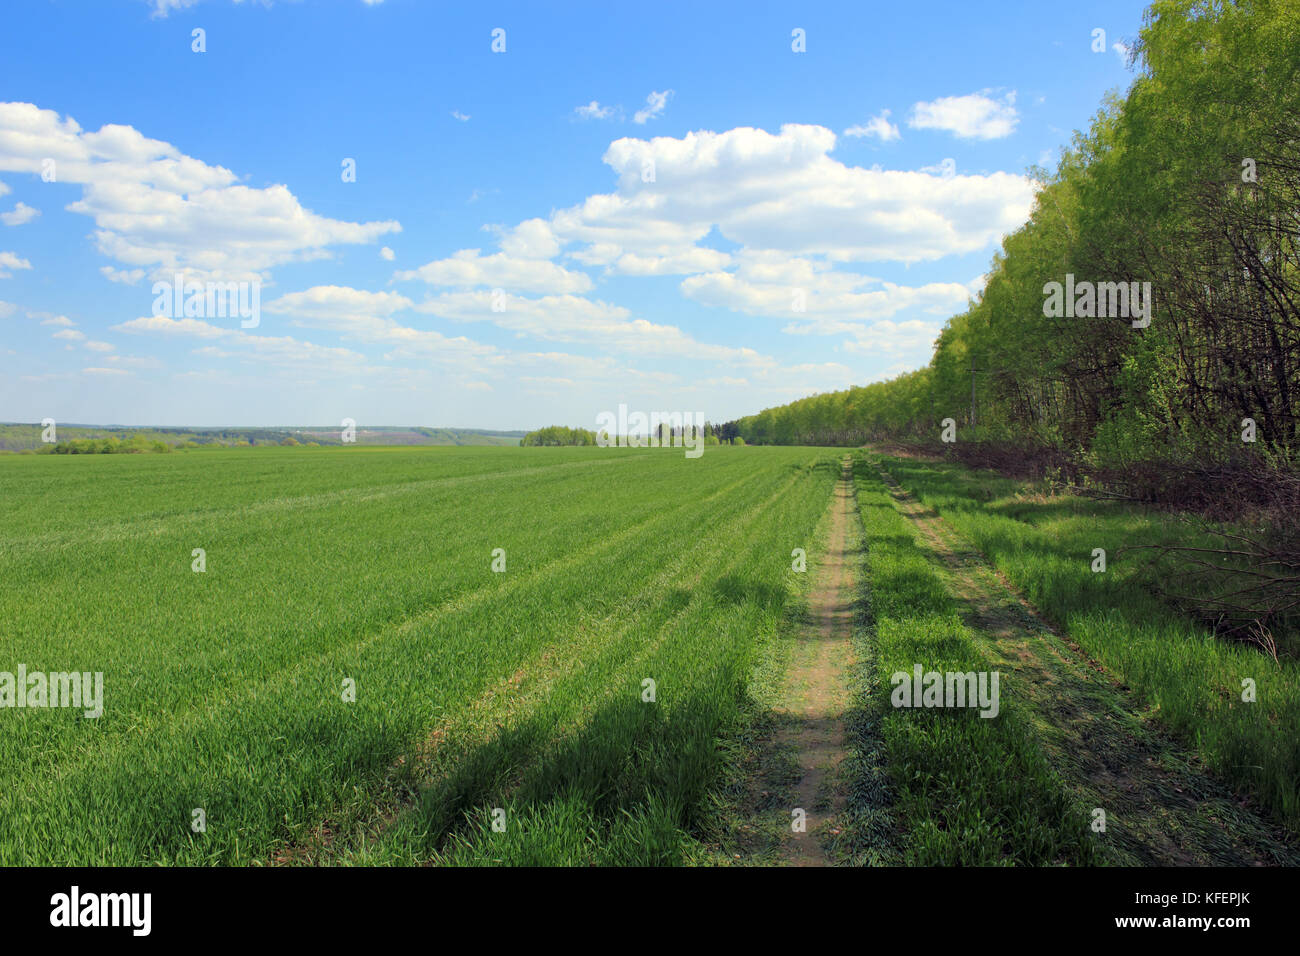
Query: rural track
[[1162, 808], [817, 692]]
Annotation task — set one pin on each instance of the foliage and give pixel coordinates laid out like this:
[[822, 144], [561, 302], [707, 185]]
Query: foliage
[[558, 435], [1189, 182]]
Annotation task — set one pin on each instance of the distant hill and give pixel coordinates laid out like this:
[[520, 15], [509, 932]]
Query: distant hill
[[27, 437]]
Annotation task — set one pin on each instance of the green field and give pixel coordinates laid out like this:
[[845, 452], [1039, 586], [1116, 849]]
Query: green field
[[444, 655], [474, 690]]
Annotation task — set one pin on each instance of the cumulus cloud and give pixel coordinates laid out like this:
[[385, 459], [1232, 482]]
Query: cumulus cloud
[[974, 116], [655, 104], [878, 127], [158, 209], [594, 110], [531, 239], [20, 214], [367, 317], [165, 325], [815, 297], [571, 318], [10, 260], [675, 262], [340, 308], [469, 269], [785, 193], [162, 8], [125, 276], [275, 350], [746, 216]]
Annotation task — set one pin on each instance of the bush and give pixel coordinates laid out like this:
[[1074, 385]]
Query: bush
[[558, 435]]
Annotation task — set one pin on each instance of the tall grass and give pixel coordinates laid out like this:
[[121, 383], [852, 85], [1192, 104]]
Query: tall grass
[[966, 790], [1192, 681]]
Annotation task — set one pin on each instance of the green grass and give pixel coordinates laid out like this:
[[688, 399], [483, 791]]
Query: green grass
[[1191, 680], [475, 690], [963, 789]]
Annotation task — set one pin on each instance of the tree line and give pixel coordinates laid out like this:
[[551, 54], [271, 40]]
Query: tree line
[[563, 435], [1190, 182]]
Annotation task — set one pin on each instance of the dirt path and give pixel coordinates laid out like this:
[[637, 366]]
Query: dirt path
[[1161, 808], [817, 690]]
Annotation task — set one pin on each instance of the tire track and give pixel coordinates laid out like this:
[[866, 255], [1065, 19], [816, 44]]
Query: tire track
[[1161, 808], [817, 691]]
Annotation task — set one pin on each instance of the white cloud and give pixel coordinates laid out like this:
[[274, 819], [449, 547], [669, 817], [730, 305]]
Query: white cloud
[[156, 208], [877, 126], [367, 317], [974, 116], [7, 309], [789, 214], [531, 239], [468, 269], [60, 320], [463, 117], [125, 276], [785, 193], [337, 306], [677, 262], [20, 214], [165, 325], [273, 350], [816, 298], [162, 8], [99, 346], [9, 260], [133, 361], [335, 299], [105, 371], [594, 110], [70, 335], [571, 318], [654, 106]]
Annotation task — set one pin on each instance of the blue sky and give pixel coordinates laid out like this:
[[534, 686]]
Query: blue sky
[[671, 208]]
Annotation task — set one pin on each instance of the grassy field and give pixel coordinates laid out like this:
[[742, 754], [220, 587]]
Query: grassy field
[[475, 691], [1191, 681], [572, 656], [966, 790], [1086, 763]]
